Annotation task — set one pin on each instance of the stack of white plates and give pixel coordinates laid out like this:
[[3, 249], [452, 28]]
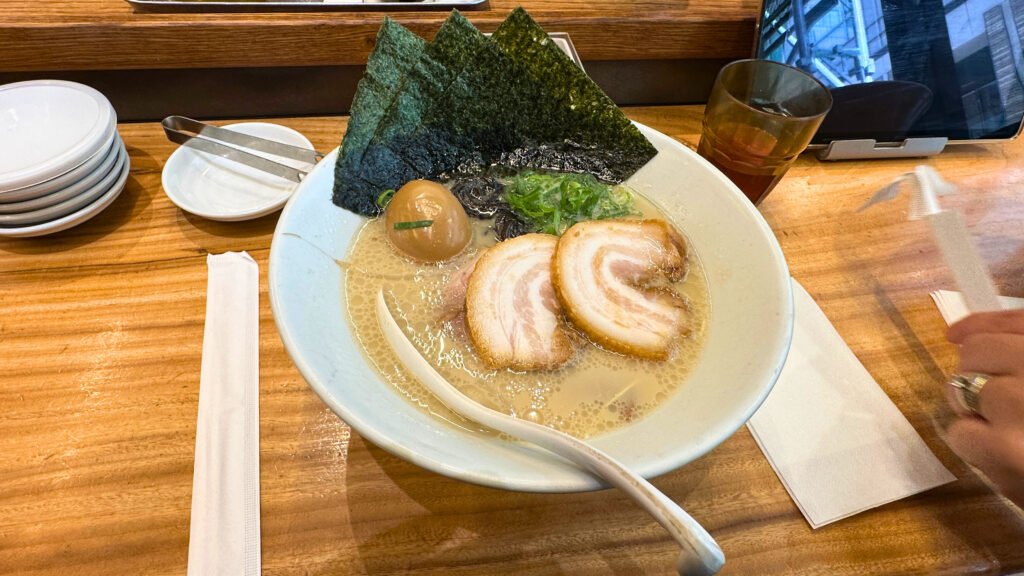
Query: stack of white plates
[[61, 158]]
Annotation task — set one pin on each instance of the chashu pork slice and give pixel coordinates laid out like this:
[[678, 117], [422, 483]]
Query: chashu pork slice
[[612, 278], [512, 312]]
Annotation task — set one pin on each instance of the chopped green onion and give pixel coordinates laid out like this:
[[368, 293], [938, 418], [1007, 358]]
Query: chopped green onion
[[412, 224], [385, 198], [552, 202]]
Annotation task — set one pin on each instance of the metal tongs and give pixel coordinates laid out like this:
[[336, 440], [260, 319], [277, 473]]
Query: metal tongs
[[214, 140]]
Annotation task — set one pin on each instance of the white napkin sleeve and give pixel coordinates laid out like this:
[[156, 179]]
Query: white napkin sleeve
[[835, 439], [963, 260], [953, 306], [224, 536]]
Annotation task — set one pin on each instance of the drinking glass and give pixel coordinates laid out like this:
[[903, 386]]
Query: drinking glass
[[760, 116]]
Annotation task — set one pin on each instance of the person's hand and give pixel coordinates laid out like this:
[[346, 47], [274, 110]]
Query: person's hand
[[992, 343]]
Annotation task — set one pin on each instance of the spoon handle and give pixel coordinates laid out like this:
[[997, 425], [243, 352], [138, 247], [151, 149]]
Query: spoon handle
[[701, 554]]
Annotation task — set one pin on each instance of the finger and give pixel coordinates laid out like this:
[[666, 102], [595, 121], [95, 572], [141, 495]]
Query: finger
[[1001, 401], [974, 440], [1003, 322], [997, 452], [993, 354]]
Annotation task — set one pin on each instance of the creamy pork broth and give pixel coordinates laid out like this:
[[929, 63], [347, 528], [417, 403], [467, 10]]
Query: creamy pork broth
[[598, 391]]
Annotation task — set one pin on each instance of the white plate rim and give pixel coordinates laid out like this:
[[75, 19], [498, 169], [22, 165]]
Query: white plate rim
[[70, 205], [75, 218], [83, 185], [77, 154], [67, 179], [574, 480], [170, 189]]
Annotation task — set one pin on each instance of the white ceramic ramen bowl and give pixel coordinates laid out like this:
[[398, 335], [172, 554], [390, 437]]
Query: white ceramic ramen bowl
[[748, 335]]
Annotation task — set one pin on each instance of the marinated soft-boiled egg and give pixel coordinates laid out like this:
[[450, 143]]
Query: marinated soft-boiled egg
[[425, 221]]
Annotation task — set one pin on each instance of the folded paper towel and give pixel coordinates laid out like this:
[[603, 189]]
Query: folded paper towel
[[837, 442]]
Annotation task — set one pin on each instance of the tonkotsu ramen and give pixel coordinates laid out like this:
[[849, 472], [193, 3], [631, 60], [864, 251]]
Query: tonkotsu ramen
[[616, 340]]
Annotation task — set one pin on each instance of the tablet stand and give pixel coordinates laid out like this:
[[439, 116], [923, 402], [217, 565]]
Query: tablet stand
[[867, 149]]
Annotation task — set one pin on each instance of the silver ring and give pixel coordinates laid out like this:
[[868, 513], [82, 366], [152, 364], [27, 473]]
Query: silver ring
[[968, 389]]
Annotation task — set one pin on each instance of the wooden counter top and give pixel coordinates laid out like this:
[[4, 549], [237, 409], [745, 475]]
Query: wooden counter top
[[101, 332], [51, 35]]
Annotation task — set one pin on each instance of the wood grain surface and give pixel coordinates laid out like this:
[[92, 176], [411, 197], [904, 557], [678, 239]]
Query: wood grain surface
[[100, 342], [48, 35]]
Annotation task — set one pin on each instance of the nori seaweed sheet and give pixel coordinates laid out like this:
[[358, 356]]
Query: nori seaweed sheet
[[396, 50], [596, 123], [466, 102], [402, 148], [473, 119]]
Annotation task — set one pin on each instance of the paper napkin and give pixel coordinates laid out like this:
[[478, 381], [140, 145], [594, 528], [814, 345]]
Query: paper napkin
[[953, 307], [837, 442], [224, 538]]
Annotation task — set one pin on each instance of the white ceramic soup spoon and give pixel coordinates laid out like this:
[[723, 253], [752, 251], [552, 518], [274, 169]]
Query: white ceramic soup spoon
[[700, 553]]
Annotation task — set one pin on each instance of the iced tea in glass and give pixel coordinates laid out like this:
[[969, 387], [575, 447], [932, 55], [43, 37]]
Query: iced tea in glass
[[760, 116]]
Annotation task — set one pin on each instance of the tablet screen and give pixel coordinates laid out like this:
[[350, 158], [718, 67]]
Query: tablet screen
[[906, 68]]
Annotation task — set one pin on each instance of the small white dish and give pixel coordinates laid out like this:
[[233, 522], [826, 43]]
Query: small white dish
[[748, 334], [68, 206], [219, 189], [83, 185], [48, 127], [91, 165], [75, 218]]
